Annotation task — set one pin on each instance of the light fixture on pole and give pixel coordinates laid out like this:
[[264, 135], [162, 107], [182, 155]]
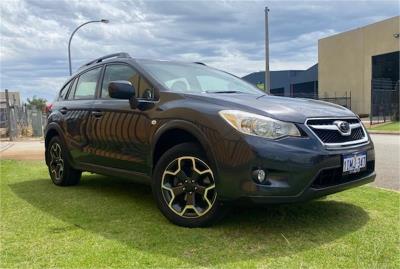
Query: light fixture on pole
[[70, 39]]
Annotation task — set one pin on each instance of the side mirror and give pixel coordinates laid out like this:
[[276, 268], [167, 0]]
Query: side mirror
[[121, 89]]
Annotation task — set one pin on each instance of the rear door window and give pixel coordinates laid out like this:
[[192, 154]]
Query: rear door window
[[86, 85]]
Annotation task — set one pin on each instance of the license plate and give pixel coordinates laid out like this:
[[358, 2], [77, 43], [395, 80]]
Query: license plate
[[354, 163]]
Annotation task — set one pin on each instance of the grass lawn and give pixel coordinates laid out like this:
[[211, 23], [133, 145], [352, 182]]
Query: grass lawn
[[392, 127], [112, 222]]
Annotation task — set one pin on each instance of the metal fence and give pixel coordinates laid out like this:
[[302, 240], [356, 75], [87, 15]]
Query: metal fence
[[339, 100], [384, 101], [21, 121]]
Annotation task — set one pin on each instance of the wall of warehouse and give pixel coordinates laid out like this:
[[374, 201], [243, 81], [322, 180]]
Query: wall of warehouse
[[344, 61]]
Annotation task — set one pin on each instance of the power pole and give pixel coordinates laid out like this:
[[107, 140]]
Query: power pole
[[267, 83], [11, 133]]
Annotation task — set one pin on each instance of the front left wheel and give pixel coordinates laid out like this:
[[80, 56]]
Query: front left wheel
[[60, 170], [184, 187]]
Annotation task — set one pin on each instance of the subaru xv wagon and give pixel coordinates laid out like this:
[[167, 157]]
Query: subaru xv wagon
[[202, 138]]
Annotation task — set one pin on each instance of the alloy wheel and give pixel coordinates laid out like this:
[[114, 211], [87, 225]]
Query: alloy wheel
[[56, 161], [188, 187]]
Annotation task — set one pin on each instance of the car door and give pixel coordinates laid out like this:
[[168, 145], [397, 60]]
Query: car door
[[76, 109], [119, 133]]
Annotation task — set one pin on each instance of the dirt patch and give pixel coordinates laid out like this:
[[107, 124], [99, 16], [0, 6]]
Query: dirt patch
[[23, 150]]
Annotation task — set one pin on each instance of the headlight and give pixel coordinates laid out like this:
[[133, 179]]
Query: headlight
[[258, 125]]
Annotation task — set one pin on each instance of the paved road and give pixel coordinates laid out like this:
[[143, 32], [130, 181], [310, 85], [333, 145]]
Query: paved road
[[387, 151], [387, 165]]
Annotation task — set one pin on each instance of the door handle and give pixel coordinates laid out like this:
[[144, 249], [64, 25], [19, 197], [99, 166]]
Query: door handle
[[97, 114], [64, 110]]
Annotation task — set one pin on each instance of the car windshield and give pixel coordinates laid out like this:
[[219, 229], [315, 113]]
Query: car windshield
[[196, 78]]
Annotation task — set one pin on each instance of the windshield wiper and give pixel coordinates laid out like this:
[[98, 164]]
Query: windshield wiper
[[261, 96], [224, 91]]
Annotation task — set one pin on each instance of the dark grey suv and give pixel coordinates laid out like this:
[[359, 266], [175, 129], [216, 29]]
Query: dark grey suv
[[201, 137]]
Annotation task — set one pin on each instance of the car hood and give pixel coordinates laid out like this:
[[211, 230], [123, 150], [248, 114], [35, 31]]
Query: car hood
[[281, 108]]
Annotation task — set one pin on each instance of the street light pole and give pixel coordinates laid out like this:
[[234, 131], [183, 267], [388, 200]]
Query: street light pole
[[267, 83], [70, 39]]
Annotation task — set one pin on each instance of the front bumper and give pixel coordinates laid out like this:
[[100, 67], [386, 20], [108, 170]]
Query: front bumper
[[298, 169], [312, 193]]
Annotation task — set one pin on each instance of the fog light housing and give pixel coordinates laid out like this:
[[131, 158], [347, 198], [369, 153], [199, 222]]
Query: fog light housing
[[259, 175]]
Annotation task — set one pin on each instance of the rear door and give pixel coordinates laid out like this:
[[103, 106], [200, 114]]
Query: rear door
[[76, 109], [119, 133]]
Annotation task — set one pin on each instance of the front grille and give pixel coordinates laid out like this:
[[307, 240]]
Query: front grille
[[328, 133], [333, 136], [334, 176]]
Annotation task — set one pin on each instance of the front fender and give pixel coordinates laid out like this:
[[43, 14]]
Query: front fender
[[189, 127]]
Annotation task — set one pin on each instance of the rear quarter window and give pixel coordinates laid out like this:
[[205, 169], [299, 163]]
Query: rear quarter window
[[72, 90], [64, 90]]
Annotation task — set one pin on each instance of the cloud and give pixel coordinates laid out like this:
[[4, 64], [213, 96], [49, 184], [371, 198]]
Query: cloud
[[226, 34]]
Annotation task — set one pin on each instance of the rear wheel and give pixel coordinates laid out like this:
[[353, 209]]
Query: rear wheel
[[184, 187], [60, 170]]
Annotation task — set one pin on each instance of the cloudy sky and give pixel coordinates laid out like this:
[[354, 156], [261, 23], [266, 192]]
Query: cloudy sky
[[225, 34]]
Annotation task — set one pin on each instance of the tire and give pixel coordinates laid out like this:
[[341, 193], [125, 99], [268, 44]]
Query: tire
[[186, 196], [60, 170]]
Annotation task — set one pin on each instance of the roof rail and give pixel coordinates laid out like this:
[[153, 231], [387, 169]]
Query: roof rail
[[114, 55], [200, 63]]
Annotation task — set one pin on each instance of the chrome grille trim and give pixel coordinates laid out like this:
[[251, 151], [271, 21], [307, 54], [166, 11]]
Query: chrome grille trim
[[332, 127]]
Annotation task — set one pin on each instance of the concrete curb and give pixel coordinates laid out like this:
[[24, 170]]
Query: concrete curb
[[383, 188], [383, 132]]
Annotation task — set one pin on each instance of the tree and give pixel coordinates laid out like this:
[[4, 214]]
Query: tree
[[37, 102]]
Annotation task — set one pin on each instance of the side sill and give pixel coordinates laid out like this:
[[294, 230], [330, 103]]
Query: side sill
[[109, 171]]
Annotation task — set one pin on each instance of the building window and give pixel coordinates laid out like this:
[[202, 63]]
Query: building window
[[386, 66], [278, 91], [305, 90]]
